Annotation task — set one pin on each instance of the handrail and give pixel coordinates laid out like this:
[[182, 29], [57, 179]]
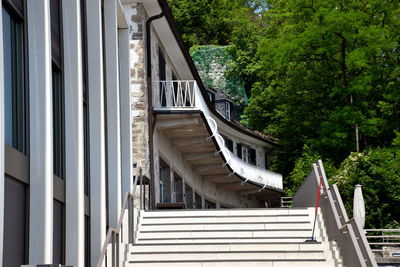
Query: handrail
[[116, 231], [350, 238]]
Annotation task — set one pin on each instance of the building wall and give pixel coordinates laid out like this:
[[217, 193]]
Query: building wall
[[209, 191], [260, 151]]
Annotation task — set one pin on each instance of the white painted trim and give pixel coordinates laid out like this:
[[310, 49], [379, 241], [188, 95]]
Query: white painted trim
[[2, 140], [96, 130], [126, 112], [74, 171], [41, 133], [113, 109]]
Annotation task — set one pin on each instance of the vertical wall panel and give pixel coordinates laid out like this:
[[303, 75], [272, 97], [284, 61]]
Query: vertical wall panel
[[41, 133], [126, 117], [14, 223], [96, 129], [75, 180], [110, 32], [58, 232]]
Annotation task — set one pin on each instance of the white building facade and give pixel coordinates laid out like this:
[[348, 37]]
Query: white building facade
[[91, 91]]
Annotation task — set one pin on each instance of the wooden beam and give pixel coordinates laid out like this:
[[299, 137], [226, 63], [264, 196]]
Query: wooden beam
[[189, 141], [250, 192], [229, 185], [176, 123], [214, 178], [197, 156]]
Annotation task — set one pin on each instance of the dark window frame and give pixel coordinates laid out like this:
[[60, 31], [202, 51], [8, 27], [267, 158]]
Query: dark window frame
[[19, 88], [58, 110]]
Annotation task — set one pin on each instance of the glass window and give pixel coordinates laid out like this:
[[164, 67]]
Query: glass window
[[58, 124], [188, 196], [239, 150], [228, 110], [252, 156], [58, 89], [229, 144], [14, 93], [85, 99]]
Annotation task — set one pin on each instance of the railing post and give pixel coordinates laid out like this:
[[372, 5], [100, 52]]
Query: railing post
[[141, 191]]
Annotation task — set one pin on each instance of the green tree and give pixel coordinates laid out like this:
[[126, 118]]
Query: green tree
[[378, 171], [325, 68]]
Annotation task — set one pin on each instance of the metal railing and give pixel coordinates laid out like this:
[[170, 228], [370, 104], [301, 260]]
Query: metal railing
[[286, 202], [124, 232], [174, 94], [350, 238], [378, 239]]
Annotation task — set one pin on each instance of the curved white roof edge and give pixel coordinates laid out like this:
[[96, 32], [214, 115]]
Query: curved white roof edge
[[250, 172]]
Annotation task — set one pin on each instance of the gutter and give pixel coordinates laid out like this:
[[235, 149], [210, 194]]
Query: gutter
[[150, 116]]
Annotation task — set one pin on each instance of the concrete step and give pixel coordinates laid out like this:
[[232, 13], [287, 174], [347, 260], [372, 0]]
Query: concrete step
[[223, 226], [225, 234], [287, 239], [196, 256], [226, 219], [239, 264], [219, 247], [225, 212]]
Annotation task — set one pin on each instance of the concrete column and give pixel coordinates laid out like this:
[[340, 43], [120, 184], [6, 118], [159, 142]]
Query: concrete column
[[74, 174], [126, 118], [41, 133], [96, 129], [2, 140], [113, 119]]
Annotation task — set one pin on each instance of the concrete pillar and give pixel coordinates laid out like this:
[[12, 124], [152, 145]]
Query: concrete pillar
[[74, 173], [96, 129], [126, 118], [2, 140], [41, 133], [113, 119]]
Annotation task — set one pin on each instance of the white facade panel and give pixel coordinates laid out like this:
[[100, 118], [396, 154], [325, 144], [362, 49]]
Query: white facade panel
[[96, 130], [41, 133], [74, 160], [110, 32]]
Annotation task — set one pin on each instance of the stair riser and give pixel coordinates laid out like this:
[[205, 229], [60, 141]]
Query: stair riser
[[227, 234], [238, 264], [222, 240], [229, 256], [230, 212], [228, 247], [208, 227], [181, 220]]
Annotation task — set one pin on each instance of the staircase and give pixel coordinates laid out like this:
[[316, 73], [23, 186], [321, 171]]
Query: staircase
[[251, 237]]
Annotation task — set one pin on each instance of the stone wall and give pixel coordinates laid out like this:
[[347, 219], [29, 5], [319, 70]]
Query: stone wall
[[140, 129]]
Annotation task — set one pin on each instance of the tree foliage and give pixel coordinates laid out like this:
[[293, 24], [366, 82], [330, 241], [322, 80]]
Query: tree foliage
[[323, 76], [378, 171], [326, 67]]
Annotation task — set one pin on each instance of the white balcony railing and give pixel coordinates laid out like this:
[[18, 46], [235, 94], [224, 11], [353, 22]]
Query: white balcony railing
[[186, 94], [174, 94]]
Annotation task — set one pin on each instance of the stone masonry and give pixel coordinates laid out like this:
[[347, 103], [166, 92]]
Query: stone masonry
[[140, 138]]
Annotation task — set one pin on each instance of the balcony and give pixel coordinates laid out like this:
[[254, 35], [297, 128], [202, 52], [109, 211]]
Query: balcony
[[175, 94], [185, 95]]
